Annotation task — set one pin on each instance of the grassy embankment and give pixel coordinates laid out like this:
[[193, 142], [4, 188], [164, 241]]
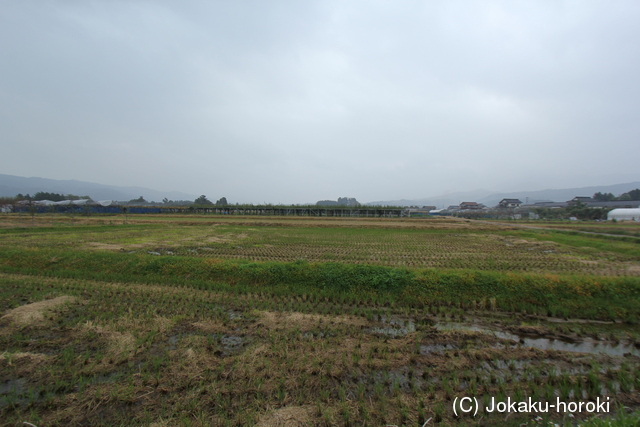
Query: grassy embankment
[[547, 274], [570, 296]]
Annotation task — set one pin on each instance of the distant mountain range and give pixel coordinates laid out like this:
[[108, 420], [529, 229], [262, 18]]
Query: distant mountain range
[[11, 185], [491, 198]]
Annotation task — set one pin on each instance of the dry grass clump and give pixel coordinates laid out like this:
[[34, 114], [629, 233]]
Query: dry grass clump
[[34, 313], [530, 242], [120, 335], [289, 416], [120, 345], [633, 269], [225, 238], [131, 323], [531, 330], [304, 321], [212, 326], [99, 246], [10, 357]]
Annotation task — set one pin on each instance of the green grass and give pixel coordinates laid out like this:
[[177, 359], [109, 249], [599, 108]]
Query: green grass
[[244, 321], [503, 266], [629, 247], [583, 296], [487, 250], [131, 354]]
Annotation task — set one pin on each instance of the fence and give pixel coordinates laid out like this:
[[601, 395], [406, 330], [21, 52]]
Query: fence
[[219, 210]]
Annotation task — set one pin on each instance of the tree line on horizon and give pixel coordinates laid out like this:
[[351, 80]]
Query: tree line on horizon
[[609, 197], [342, 201], [203, 201], [54, 197]]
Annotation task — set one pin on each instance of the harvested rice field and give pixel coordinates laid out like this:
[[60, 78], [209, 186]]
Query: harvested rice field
[[207, 321]]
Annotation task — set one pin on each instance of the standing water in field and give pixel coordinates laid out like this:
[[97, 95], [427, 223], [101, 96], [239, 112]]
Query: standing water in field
[[583, 346], [394, 327]]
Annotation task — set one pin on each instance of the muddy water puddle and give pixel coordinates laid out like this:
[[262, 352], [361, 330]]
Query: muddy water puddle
[[17, 386], [230, 344], [16, 392], [311, 335], [436, 348], [548, 343], [394, 327]]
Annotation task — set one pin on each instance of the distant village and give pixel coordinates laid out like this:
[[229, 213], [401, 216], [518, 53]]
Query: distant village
[[517, 204], [598, 207]]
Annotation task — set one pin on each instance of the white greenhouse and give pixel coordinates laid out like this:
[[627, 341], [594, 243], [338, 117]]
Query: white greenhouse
[[624, 215]]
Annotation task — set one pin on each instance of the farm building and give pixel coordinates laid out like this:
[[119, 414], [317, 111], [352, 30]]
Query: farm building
[[470, 205], [624, 215], [509, 203], [580, 199]]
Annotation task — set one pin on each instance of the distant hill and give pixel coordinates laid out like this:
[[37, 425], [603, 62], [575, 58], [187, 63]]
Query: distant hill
[[491, 198], [10, 185], [438, 201], [558, 195]]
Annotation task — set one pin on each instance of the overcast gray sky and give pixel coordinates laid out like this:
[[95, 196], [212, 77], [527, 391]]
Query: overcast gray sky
[[297, 101]]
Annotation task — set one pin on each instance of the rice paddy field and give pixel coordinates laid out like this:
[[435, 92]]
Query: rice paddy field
[[295, 321]]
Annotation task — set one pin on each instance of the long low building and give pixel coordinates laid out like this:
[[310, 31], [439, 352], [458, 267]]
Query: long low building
[[589, 204], [624, 215], [109, 207]]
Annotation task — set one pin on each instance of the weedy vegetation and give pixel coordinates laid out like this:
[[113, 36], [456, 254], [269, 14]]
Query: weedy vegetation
[[214, 321]]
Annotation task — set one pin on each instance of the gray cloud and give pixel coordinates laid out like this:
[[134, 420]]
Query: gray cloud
[[297, 101]]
